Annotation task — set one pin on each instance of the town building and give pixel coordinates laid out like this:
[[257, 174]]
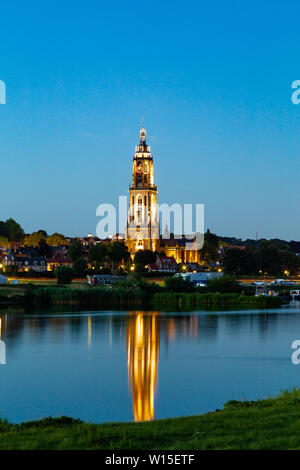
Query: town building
[[24, 259], [59, 258], [163, 264]]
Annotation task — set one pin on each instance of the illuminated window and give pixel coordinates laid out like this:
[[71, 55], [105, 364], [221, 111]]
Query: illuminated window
[[140, 209]]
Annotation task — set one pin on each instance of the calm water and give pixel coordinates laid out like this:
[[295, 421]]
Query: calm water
[[134, 365]]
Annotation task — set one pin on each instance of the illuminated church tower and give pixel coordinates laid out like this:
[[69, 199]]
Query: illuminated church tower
[[142, 231]]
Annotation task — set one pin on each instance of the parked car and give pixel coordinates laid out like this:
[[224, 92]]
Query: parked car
[[201, 284]]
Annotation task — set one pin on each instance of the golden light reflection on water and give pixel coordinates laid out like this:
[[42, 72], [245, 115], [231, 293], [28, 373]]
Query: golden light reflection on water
[[143, 330], [89, 331], [142, 339]]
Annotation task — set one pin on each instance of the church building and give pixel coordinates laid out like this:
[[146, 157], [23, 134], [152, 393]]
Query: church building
[[143, 230]]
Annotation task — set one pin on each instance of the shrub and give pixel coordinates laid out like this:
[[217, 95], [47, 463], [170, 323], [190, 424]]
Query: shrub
[[178, 284], [215, 299], [224, 284], [64, 275]]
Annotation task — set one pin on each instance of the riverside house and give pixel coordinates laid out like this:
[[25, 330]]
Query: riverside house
[[24, 259]]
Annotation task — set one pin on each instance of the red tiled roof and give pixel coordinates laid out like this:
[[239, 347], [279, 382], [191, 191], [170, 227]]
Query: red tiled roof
[[59, 258]]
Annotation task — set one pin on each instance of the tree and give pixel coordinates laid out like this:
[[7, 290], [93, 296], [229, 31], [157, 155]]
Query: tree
[[209, 251], [269, 259], [34, 239], [97, 255], [57, 239], [144, 257], [3, 241], [64, 275], [80, 267], [211, 238], [13, 231], [117, 252], [75, 250], [289, 262], [235, 262]]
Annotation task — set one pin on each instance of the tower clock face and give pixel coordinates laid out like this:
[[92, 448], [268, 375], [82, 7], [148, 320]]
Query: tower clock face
[[139, 167]]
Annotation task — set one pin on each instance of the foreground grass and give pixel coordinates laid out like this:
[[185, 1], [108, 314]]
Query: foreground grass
[[264, 424]]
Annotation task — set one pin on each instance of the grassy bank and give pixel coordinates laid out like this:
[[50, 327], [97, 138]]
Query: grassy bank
[[264, 424], [194, 300], [130, 293], [93, 296], [122, 296]]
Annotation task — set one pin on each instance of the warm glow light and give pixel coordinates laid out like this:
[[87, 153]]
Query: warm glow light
[[142, 332], [89, 331]]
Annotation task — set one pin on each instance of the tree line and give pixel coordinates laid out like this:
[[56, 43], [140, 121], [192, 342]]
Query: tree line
[[265, 258], [252, 257], [11, 231]]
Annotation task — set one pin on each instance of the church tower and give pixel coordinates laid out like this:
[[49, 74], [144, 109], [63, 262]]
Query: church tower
[[142, 231]]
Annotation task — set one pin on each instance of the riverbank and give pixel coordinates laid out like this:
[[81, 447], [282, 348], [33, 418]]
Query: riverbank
[[193, 300], [128, 295], [263, 424]]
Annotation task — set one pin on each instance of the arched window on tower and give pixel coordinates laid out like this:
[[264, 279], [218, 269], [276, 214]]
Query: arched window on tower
[[140, 209]]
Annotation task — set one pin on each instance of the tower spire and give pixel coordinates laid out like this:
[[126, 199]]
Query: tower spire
[[142, 232], [142, 134]]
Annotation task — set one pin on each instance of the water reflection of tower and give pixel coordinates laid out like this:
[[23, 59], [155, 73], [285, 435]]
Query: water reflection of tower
[[142, 339]]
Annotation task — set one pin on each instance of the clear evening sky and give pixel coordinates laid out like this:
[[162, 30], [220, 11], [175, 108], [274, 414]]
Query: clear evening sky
[[212, 80]]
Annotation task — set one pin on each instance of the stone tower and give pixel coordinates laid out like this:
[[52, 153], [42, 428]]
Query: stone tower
[[142, 231]]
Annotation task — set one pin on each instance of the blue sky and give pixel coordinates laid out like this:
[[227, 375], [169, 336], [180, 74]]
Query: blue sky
[[212, 80]]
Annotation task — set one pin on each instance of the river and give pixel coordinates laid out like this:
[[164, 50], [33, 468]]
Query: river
[[142, 365]]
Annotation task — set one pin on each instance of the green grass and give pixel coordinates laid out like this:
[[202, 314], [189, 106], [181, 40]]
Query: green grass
[[9, 290], [92, 296], [123, 295], [191, 301], [264, 424]]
